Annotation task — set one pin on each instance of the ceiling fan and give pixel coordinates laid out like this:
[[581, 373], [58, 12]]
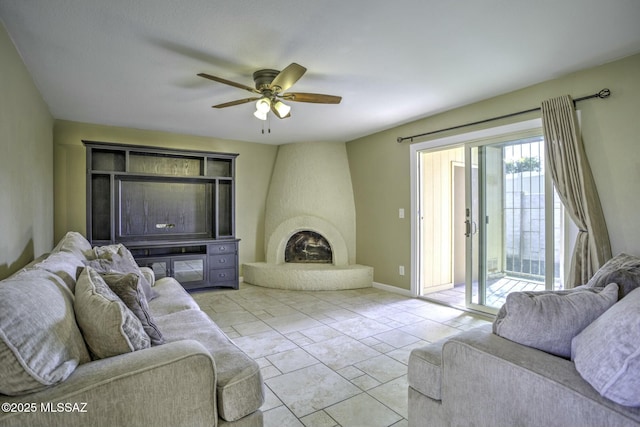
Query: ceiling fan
[[271, 86]]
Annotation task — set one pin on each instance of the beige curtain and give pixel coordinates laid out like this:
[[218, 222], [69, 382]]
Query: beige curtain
[[574, 183]]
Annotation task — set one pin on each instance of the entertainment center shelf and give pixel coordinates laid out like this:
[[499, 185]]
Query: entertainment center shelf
[[174, 209]]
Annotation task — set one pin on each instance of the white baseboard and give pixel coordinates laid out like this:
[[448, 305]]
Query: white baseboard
[[394, 289]]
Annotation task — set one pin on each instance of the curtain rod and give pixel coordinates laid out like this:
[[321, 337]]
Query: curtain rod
[[604, 93]]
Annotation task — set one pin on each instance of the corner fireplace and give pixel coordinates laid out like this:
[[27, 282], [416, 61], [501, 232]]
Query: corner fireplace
[[310, 240], [308, 247]]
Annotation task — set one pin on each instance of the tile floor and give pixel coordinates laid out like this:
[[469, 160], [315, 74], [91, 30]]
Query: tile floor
[[332, 358], [496, 292]]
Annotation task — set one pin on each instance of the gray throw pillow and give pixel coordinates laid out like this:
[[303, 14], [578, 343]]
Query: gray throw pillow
[[40, 343], [108, 326], [622, 269], [118, 259], [607, 352], [549, 320], [127, 287], [63, 264]]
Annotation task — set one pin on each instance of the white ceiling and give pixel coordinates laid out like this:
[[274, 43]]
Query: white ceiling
[[133, 63]]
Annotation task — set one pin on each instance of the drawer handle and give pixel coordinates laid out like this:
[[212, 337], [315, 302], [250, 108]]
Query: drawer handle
[[222, 261], [222, 275], [165, 226], [222, 248]]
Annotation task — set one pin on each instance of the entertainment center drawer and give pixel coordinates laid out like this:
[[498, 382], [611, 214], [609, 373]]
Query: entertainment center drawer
[[222, 248], [222, 275], [222, 261]]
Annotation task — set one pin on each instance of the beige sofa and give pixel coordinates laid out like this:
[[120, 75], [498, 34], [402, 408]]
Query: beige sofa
[[48, 376], [546, 371]]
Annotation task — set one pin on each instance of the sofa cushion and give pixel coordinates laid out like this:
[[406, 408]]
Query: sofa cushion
[[172, 298], [239, 383], [425, 370], [548, 320], [622, 269], [40, 343], [118, 259], [607, 352], [127, 287], [108, 326]]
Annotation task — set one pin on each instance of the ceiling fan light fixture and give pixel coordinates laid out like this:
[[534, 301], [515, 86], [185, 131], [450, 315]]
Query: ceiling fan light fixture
[[263, 106], [259, 114], [270, 89], [282, 108]]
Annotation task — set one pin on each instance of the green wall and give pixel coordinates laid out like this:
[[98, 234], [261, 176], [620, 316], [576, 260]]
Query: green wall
[[254, 166], [611, 135], [26, 164], [40, 158]]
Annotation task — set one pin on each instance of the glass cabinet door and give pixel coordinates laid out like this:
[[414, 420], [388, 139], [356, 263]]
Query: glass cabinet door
[[188, 270], [160, 266]]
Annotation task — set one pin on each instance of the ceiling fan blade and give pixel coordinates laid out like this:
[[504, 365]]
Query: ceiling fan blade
[[238, 102], [228, 82], [274, 111], [317, 98], [287, 77]]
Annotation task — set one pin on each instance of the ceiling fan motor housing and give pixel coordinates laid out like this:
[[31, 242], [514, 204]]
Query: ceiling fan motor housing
[[263, 78]]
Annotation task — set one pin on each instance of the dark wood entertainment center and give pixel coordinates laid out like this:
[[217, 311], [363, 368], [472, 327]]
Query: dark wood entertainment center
[[173, 209]]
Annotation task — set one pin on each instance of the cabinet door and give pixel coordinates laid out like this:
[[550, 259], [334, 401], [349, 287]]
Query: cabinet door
[[160, 266], [189, 270]]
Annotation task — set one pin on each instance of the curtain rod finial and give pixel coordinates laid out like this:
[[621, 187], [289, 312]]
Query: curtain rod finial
[[604, 93]]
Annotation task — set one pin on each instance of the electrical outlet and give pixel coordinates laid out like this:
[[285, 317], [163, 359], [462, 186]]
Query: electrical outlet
[[401, 213], [401, 270]]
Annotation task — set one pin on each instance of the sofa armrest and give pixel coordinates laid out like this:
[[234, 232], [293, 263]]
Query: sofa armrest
[[488, 380], [168, 385]]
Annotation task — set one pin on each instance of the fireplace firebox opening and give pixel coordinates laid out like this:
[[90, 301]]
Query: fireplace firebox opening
[[308, 247]]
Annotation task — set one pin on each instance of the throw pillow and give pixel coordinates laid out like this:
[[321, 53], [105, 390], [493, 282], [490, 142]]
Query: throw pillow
[[607, 352], [118, 259], [549, 320], [108, 326], [63, 264], [74, 243], [40, 343], [622, 269], [127, 287]]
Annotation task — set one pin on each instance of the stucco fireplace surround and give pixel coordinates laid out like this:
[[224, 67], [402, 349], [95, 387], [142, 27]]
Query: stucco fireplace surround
[[310, 194]]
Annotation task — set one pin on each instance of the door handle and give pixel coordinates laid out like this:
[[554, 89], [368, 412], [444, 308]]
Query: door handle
[[470, 228]]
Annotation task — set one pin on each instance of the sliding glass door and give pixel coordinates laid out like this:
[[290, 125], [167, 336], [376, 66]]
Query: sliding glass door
[[513, 232], [486, 220]]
